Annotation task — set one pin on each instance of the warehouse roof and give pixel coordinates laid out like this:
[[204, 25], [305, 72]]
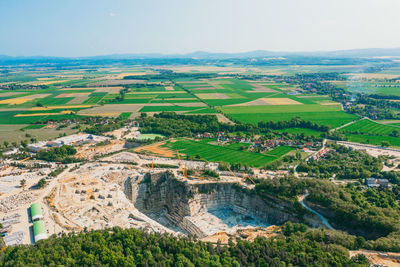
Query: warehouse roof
[[36, 211], [39, 230]]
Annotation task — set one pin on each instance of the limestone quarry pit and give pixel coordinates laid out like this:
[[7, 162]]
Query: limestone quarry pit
[[205, 209]]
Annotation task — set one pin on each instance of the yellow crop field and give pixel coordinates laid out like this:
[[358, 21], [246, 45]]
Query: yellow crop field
[[44, 114], [281, 101], [15, 101], [70, 106], [270, 101]]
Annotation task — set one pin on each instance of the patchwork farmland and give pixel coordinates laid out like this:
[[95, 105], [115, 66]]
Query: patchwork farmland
[[37, 96]]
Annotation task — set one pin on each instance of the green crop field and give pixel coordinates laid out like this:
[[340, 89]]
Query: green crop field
[[370, 127], [202, 111], [279, 109], [8, 117], [374, 87], [166, 108], [332, 119], [280, 151], [306, 132], [370, 132], [192, 100], [373, 139], [94, 98], [330, 115], [227, 154], [125, 115]]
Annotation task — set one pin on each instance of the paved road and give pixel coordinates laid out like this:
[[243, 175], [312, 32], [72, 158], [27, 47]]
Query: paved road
[[323, 219]]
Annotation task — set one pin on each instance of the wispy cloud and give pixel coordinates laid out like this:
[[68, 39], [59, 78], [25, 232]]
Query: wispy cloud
[[112, 14]]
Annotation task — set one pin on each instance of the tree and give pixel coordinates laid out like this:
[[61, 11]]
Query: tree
[[22, 182], [24, 143], [360, 259], [6, 144], [385, 143], [41, 183]]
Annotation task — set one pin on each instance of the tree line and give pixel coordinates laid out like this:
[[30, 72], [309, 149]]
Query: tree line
[[131, 247], [172, 125], [371, 214]]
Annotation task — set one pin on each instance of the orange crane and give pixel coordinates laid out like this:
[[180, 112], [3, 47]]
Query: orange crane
[[248, 177], [25, 159], [152, 165], [232, 172], [183, 169]]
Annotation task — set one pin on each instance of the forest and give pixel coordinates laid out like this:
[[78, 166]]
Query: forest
[[174, 125], [131, 247], [345, 163], [372, 214], [62, 154]]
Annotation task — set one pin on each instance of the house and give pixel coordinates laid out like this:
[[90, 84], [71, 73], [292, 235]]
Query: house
[[53, 144], [375, 183], [370, 181], [34, 149], [383, 182]]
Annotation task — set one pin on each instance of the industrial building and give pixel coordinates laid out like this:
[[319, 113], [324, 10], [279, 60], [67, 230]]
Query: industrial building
[[39, 230], [36, 211]]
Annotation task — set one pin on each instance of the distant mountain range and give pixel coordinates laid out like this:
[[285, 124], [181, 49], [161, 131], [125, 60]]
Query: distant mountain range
[[353, 53]]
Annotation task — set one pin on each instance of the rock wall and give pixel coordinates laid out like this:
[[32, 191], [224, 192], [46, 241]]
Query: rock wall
[[161, 193]]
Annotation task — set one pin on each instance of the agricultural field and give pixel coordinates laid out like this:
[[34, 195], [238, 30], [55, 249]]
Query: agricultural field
[[330, 115], [381, 87], [305, 132], [230, 154], [370, 132], [56, 94]]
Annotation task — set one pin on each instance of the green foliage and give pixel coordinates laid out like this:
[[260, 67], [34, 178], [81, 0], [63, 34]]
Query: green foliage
[[172, 124], [56, 172], [345, 163], [60, 154], [210, 173], [41, 183], [370, 213], [136, 248], [99, 129]]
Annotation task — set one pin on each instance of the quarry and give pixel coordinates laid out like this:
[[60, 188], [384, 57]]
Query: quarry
[[117, 185], [131, 190]]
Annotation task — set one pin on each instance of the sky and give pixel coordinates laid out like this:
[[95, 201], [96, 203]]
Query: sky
[[76, 28]]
